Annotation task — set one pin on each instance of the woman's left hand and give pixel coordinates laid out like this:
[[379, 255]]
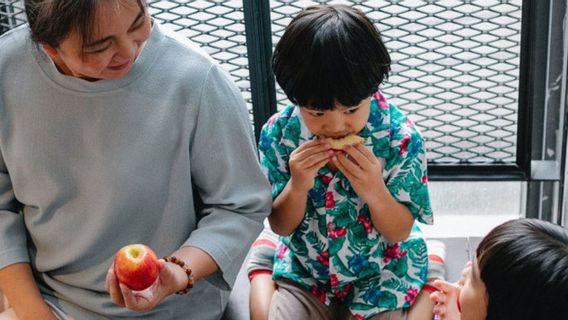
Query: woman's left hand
[[171, 279], [362, 169]]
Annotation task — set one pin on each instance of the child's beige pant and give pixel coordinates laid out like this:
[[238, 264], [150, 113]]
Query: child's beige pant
[[291, 302]]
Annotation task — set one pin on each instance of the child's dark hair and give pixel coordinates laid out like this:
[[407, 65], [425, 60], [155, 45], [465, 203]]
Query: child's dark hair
[[524, 266], [329, 54], [51, 21]]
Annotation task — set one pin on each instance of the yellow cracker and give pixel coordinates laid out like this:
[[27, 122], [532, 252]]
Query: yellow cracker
[[350, 140]]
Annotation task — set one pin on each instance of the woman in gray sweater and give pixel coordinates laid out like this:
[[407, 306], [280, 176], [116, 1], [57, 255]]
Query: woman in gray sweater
[[110, 126]]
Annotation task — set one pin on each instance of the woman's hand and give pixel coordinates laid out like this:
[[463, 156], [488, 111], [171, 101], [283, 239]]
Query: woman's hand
[[172, 278], [446, 300], [363, 170], [306, 161]]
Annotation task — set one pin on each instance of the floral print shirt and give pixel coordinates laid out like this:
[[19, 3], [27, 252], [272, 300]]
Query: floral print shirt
[[336, 253]]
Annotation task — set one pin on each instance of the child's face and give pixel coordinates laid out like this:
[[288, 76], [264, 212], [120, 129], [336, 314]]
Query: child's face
[[339, 122], [473, 295], [120, 30]]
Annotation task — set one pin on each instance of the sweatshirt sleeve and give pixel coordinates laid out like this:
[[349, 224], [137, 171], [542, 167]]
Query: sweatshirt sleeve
[[226, 173], [13, 246]]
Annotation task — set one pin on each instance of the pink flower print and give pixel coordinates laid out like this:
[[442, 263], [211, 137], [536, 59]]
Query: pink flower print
[[381, 101], [273, 119], [329, 201], [282, 251], [319, 293], [335, 233], [377, 95], [409, 123], [359, 317], [324, 258], [411, 294], [393, 252], [424, 179], [404, 144], [341, 294], [325, 179], [366, 224], [334, 281]]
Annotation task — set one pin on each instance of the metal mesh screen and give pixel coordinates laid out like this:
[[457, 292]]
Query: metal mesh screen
[[217, 26], [455, 62], [11, 14], [455, 71]]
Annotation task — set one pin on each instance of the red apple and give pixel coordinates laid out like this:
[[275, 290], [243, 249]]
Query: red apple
[[136, 266]]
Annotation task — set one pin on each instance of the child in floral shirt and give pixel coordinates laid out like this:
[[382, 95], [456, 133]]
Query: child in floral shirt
[[348, 247]]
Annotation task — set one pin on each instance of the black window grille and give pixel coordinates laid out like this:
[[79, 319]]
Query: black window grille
[[455, 71], [455, 64]]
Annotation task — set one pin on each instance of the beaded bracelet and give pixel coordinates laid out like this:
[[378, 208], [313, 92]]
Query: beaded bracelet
[[186, 269]]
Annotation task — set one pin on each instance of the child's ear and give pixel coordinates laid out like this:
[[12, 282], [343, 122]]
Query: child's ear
[[51, 51]]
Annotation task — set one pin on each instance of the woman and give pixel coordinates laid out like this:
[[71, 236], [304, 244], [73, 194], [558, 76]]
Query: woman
[[110, 127]]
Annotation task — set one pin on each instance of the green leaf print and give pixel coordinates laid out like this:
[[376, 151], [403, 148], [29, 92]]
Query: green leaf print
[[357, 237], [314, 241], [335, 245], [340, 208], [360, 242], [397, 183], [360, 307], [342, 188], [372, 270], [417, 251], [398, 266], [343, 220], [322, 226], [388, 300], [340, 267], [298, 245], [381, 147], [292, 132], [393, 284]]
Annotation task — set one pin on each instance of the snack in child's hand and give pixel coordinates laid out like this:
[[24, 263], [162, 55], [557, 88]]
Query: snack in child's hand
[[350, 140]]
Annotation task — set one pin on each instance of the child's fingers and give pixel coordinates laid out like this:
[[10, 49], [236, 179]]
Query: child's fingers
[[316, 159], [316, 165], [365, 152], [358, 157], [439, 310], [437, 296], [301, 155], [464, 274], [348, 167], [445, 286], [313, 144]]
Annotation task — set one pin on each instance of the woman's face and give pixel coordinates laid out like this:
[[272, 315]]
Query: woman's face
[[339, 122], [473, 294], [119, 33]]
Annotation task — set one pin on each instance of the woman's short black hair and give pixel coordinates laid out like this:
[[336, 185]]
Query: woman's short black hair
[[51, 21], [524, 266], [330, 54]]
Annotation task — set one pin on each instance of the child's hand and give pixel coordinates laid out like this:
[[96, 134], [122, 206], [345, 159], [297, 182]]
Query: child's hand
[[306, 161], [363, 170], [446, 300], [466, 270]]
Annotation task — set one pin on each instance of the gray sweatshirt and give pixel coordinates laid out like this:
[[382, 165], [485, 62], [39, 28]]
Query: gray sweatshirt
[[88, 167]]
